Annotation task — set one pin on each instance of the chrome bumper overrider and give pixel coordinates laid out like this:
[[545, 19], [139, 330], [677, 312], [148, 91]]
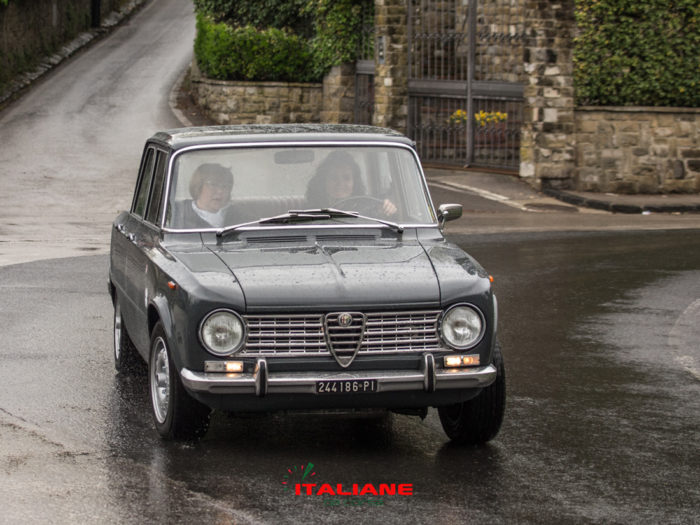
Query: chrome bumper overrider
[[262, 382]]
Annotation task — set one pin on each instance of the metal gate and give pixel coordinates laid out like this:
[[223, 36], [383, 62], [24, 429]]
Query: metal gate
[[465, 84]]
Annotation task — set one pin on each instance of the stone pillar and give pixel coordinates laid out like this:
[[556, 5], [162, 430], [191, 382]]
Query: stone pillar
[[391, 59], [547, 151], [339, 95]]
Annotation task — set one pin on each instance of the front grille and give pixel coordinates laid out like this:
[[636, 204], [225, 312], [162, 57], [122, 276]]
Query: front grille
[[344, 340], [383, 333]]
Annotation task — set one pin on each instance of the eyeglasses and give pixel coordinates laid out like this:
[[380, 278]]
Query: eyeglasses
[[223, 186]]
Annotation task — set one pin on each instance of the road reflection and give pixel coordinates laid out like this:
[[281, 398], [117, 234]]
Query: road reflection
[[600, 336]]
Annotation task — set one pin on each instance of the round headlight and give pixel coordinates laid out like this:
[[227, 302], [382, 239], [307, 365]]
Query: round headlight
[[222, 332], [462, 327]]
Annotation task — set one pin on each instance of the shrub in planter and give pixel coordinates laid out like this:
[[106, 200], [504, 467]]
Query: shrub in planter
[[247, 53]]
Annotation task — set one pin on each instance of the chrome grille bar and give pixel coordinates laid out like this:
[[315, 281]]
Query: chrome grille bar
[[385, 332]]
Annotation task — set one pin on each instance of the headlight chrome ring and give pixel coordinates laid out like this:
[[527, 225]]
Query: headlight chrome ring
[[222, 332], [462, 326]]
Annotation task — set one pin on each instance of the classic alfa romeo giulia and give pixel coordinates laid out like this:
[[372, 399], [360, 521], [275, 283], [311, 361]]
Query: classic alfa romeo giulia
[[283, 267]]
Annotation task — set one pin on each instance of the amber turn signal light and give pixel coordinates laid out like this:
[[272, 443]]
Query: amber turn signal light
[[457, 361], [230, 367]]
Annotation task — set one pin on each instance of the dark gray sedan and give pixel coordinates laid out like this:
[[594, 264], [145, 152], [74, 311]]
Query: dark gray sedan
[[274, 267]]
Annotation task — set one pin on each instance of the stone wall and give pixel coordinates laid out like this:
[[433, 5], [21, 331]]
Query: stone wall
[[338, 104], [229, 102], [547, 148], [32, 30], [391, 65], [637, 150]]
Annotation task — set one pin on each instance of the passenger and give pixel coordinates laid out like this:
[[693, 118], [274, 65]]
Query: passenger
[[210, 187], [337, 181]]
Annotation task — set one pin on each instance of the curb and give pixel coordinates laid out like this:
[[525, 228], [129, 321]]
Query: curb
[[48, 63], [172, 100], [616, 207]]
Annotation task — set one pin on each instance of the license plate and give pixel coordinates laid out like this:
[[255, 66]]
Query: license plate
[[350, 386]]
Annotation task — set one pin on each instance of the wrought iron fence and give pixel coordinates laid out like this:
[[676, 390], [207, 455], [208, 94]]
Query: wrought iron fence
[[465, 81]]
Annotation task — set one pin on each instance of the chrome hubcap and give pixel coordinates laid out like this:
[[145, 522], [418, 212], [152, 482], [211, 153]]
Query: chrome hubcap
[[160, 380], [117, 331]]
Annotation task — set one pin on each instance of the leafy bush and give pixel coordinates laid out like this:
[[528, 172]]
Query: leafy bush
[[246, 53], [261, 14], [632, 52], [309, 35], [338, 28]]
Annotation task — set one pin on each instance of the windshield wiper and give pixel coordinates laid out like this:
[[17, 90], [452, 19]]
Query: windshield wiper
[[333, 213], [307, 215]]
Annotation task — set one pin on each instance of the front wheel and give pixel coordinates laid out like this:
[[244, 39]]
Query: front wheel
[[176, 414], [478, 420]]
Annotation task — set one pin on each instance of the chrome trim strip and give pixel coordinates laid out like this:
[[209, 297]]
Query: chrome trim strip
[[276, 226], [495, 323], [260, 377], [305, 382], [429, 371], [308, 143]]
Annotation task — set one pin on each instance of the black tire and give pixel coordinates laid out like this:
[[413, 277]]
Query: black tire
[[127, 360], [478, 420], [177, 416]]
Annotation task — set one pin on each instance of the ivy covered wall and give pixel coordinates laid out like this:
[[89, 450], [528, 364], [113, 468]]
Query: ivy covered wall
[[637, 53], [30, 31]]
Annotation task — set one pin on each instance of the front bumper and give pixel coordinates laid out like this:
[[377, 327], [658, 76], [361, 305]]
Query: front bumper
[[262, 383]]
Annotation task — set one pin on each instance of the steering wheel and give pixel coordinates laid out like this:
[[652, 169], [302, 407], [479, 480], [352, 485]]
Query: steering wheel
[[363, 204]]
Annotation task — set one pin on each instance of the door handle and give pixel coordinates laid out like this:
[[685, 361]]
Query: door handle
[[122, 229]]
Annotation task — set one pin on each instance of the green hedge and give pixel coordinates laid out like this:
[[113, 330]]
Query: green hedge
[[261, 14], [246, 53], [637, 52], [297, 40]]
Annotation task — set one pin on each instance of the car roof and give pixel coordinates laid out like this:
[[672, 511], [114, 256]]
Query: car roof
[[185, 137]]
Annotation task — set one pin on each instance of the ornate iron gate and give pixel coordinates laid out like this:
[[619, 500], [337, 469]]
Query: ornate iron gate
[[465, 88]]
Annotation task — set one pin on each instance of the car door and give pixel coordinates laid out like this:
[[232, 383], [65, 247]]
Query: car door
[[122, 231], [129, 230], [145, 230]]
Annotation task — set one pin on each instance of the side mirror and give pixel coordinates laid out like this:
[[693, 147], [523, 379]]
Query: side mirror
[[448, 212]]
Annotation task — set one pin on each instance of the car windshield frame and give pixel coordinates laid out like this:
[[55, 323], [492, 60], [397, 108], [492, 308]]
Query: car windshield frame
[[254, 225]]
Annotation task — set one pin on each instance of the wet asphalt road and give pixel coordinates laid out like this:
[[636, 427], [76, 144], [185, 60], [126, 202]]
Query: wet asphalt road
[[602, 346], [600, 335]]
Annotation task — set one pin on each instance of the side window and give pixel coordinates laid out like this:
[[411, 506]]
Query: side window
[[144, 183], [155, 203]]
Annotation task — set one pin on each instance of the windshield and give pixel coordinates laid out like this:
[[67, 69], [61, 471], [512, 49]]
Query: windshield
[[221, 187]]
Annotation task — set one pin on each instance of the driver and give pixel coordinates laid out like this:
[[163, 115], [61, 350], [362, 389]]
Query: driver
[[338, 179]]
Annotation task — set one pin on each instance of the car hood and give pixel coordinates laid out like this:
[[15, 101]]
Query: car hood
[[329, 276]]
